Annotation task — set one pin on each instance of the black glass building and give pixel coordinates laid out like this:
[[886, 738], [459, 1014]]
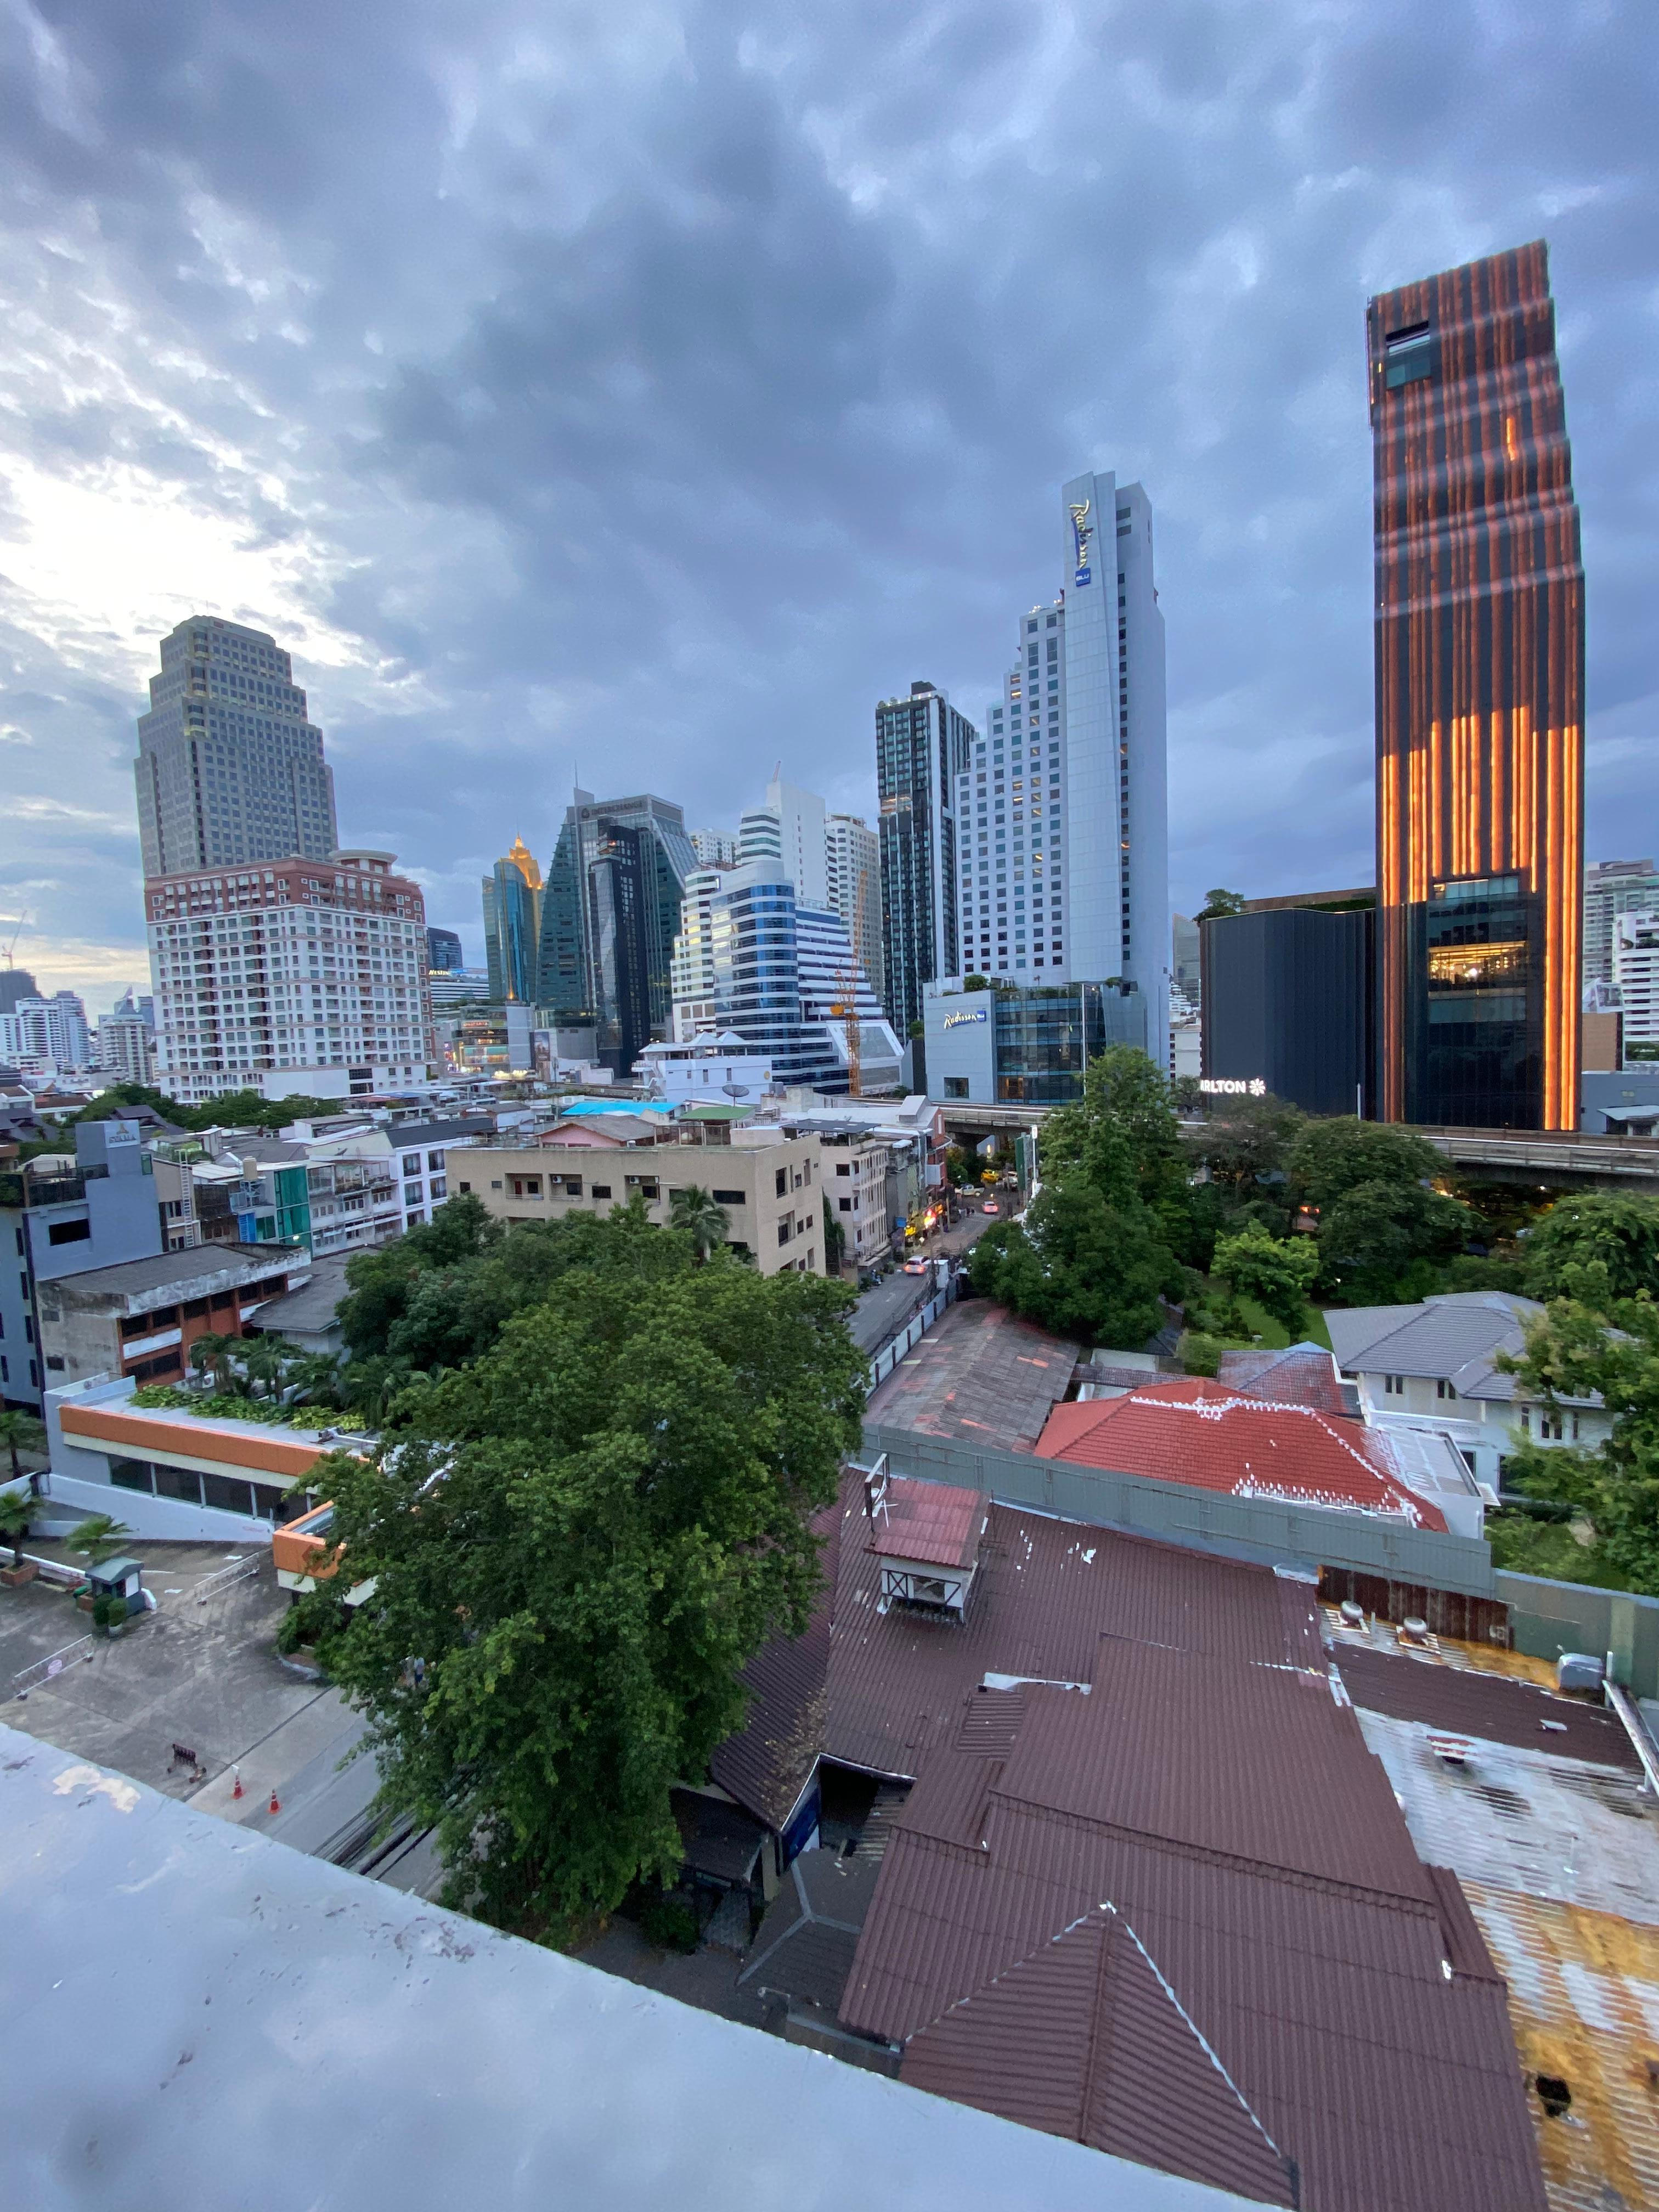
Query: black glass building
[[1287, 1002]]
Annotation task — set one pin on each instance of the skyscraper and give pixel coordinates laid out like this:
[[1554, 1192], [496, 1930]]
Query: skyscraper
[[922, 746], [1480, 631], [1063, 810], [785, 981], [610, 915], [789, 828], [443, 952], [1613, 888], [852, 885], [230, 770], [513, 924]]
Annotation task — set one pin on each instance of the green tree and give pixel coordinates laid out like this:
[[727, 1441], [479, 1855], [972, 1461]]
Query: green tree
[[20, 1432], [834, 1237], [1078, 1265], [1331, 1157], [1593, 1344], [214, 1355], [379, 1283], [1245, 1142], [695, 1214], [1376, 1241], [976, 982], [1612, 1229], [1278, 1274], [98, 1537], [584, 1537], [1122, 1134], [17, 1509], [1219, 904]]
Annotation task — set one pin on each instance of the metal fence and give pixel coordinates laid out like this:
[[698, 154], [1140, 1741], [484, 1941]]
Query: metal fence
[[44, 1670], [1261, 1531], [918, 1326], [239, 1570]]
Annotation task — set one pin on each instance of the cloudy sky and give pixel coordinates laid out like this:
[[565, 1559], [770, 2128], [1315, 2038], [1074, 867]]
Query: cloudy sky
[[643, 391]]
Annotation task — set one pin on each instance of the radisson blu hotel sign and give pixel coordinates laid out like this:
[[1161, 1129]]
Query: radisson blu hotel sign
[[956, 1021]]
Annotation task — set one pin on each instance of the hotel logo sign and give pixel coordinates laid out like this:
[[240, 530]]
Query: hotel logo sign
[[1083, 532], [955, 1021], [1232, 1086]]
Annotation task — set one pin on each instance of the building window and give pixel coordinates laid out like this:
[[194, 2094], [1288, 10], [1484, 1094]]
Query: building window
[[956, 1087], [1443, 1388], [600, 1189], [785, 1229], [730, 1197], [69, 1232], [465, 1189], [441, 1188], [1408, 355], [783, 1182], [1394, 1386]]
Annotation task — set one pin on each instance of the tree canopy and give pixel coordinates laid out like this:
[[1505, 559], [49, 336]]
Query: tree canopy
[[1277, 1273], [581, 1538], [1612, 1230], [1595, 1341], [229, 1110]]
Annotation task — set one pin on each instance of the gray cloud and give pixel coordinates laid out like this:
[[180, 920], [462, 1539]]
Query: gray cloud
[[651, 388]]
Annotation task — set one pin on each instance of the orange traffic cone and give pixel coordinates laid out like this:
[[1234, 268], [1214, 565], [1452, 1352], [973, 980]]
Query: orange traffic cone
[[274, 1806], [238, 1791]]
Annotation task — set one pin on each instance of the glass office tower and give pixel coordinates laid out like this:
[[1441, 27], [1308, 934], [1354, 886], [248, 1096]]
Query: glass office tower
[[1480, 631]]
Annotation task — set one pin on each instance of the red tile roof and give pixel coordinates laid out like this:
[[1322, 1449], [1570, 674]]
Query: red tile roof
[[1179, 1432]]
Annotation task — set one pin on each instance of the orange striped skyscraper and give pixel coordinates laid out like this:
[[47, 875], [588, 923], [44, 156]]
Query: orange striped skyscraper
[[1479, 703]]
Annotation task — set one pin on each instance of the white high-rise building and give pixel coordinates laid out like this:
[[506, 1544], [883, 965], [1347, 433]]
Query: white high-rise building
[[693, 966], [714, 848], [1613, 888], [1636, 972], [1063, 808], [300, 976], [853, 878], [789, 828], [47, 1034], [125, 1047]]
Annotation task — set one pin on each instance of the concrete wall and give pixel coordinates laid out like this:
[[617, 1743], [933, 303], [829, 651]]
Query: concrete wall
[[1255, 1530], [1549, 1617]]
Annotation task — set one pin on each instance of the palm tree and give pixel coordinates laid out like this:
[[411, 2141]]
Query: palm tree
[[20, 1432], [210, 1355], [266, 1359], [705, 1223], [16, 1509], [99, 1535]]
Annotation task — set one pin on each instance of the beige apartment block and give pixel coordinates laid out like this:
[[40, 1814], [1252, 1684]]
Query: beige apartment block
[[771, 1185], [854, 1171]]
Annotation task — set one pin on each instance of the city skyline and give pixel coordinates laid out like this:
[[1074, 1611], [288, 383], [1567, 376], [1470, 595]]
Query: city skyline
[[276, 375]]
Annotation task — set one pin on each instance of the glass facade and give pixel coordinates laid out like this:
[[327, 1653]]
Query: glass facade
[[1479, 635], [1476, 980], [1046, 1038], [922, 748], [610, 915]]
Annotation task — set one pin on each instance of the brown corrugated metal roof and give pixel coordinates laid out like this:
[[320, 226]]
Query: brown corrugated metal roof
[[1486, 1705], [1211, 1788], [1083, 2039], [934, 1522]]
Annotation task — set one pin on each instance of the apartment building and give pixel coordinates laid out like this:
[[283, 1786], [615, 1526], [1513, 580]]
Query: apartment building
[[138, 1320], [771, 1185], [854, 1165]]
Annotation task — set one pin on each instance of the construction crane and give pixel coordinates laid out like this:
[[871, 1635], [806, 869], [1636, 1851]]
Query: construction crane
[[11, 942]]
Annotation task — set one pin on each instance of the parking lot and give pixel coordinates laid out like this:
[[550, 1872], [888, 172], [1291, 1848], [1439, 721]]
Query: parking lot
[[203, 1670]]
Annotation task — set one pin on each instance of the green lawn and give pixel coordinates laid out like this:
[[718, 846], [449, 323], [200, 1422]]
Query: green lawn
[[1273, 1338]]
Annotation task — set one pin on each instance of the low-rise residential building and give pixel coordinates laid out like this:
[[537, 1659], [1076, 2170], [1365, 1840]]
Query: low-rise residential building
[[138, 1319], [855, 1168], [421, 1150], [1432, 1367], [770, 1185], [173, 1472], [308, 1318], [705, 1069], [66, 1214]]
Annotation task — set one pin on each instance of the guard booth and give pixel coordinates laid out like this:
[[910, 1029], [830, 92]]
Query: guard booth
[[114, 1578]]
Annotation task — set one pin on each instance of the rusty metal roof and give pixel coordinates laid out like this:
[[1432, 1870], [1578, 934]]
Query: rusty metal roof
[[982, 1375], [935, 1523], [1485, 1705]]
